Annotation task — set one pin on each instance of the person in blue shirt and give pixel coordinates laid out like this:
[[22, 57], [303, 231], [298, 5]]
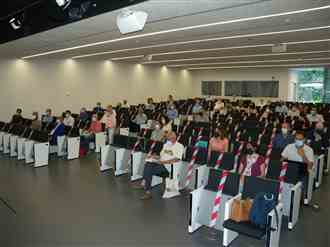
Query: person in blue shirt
[[172, 112], [57, 131], [98, 108], [283, 138], [197, 108]]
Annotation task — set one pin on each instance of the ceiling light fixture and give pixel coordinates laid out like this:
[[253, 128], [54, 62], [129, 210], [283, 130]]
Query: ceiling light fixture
[[259, 66], [180, 29], [236, 56], [63, 3], [247, 62], [126, 58]]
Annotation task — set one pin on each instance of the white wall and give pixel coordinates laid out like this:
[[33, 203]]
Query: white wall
[[37, 84], [280, 74], [65, 84]]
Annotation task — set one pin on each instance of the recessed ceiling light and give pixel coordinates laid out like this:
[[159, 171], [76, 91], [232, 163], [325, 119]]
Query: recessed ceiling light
[[235, 56], [180, 29], [259, 66]]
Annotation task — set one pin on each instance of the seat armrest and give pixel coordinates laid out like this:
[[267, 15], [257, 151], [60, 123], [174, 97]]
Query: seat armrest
[[279, 208], [297, 186]]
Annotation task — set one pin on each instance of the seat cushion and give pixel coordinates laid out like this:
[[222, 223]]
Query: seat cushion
[[245, 228]]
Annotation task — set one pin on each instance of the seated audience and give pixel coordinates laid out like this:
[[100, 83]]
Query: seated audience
[[36, 123], [57, 131], [125, 104], [203, 116], [197, 108], [314, 117], [110, 120], [252, 163], [283, 138], [281, 108], [219, 105], [171, 153], [219, 142], [17, 117], [318, 135], [88, 135], [157, 134], [47, 118], [141, 117], [165, 124], [83, 116], [98, 108], [68, 120], [299, 151], [172, 112], [150, 104]]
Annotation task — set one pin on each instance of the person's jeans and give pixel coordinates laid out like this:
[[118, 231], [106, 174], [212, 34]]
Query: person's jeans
[[153, 169]]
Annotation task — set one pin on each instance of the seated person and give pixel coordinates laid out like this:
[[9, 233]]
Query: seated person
[[165, 124], [57, 131], [68, 120], [219, 105], [17, 117], [88, 135], [36, 123], [197, 108], [172, 112], [141, 117], [219, 142], [314, 117], [150, 104], [109, 118], [203, 116], [98, 108], [283, 138], [157, 134], [83, 116], [47, 118], [125, 104], [251, 163], [171, 153], [319, 135], [299, 151]]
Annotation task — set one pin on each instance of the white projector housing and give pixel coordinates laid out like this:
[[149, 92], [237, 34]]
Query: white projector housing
[[131, 21]]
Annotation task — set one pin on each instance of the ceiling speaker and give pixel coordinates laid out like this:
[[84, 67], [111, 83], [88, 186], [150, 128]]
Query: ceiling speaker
[[279, 48]]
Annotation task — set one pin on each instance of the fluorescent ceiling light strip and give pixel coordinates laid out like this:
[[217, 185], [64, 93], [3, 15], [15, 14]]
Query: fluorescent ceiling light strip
[[212, 39], [259, 66], [179, 29], [243, 62], [236, 56], [126, 58]]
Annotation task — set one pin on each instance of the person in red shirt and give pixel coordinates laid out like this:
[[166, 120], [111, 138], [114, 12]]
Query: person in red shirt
[[88, 135]]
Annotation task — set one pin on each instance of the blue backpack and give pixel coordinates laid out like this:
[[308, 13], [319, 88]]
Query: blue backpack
[[262, 205]]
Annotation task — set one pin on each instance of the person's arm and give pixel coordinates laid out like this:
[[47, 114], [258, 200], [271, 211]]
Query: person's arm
[[227, 145], [263, 168], [305, 158]]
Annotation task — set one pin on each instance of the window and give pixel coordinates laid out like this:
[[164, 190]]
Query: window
[[211, 88], [252, 88]]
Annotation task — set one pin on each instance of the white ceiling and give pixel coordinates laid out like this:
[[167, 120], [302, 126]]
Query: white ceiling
[[172, 14]]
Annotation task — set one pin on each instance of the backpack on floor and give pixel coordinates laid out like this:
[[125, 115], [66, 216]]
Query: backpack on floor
[[262, 205]]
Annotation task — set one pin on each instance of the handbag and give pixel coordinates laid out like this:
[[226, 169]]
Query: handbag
[[240, 210]]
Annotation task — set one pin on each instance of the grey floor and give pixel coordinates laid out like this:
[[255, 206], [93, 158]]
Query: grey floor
[[70, 203]]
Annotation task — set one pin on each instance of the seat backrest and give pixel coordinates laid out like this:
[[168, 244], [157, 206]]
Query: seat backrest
[[157, 149], [27, 133], [120, 141], [39, 136], [274, 171], [227, 163], [255, 185], [231, 185], [2, 124], [201, 155]]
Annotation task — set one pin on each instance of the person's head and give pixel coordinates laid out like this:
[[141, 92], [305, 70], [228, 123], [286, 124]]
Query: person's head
[[140, 111], [67, 113], [300, 139], [19, 111], [285, 128], [157, 126], [220, 133], [319, 127], [171, 137], [48, 112], [94, 117], [98, 104], [83, 109], [109, 109], [250, 149], [150, 101], [35, 115], [197, 101], [313, 111], [163, 120], [170, 97], [124, 102], [59, 119]]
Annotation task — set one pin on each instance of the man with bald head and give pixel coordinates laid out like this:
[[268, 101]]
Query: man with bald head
[[171, 153]]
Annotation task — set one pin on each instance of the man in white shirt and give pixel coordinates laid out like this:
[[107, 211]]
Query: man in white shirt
[[68, 120], [299, 151], [171, 153], [314, 117]]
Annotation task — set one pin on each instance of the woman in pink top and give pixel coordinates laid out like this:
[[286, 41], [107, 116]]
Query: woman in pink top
[[96, 125], [218, 143], [109, 118]]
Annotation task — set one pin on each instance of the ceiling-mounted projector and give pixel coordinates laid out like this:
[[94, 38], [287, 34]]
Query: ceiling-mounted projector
[[131, 21]]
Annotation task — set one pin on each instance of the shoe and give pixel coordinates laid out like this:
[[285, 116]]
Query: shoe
[[146, 196]]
